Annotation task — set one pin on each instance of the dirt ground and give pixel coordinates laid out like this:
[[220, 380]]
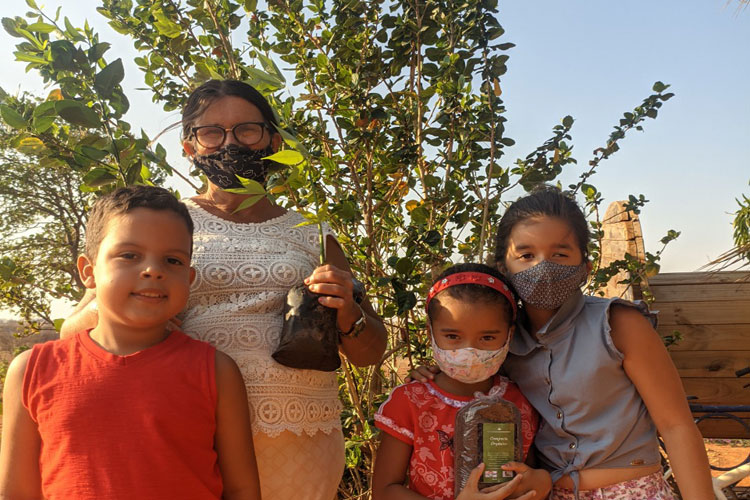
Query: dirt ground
[[726, 453]]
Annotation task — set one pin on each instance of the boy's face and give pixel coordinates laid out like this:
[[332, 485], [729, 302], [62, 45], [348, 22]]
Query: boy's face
[[142, 272]]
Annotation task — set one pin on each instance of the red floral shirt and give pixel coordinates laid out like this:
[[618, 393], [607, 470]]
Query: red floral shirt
[[422, 415]]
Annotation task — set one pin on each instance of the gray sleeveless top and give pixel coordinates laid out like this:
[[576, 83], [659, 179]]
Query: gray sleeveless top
[[573, 375]]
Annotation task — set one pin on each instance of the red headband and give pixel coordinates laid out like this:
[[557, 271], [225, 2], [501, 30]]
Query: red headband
[[473, 278]]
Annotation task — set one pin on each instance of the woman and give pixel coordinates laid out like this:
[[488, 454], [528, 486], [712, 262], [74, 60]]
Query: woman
[[246, 261]]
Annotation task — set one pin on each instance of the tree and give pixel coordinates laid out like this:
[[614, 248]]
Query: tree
[[42, 213], [396, 107]]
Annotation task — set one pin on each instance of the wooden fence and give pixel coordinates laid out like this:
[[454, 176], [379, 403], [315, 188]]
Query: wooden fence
[[709, 310]]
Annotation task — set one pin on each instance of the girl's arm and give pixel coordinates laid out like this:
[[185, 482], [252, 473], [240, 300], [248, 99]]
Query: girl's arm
[[335, 279], [392, 462], [389, 474], [537, 481], [20, 478], [83, 317], [234, 437], [650, 368]]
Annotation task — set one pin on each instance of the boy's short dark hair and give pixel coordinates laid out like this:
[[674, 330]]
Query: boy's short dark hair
[[124, 200]]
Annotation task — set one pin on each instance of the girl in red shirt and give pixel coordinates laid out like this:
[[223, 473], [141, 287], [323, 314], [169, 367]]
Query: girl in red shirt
[[470, 336]]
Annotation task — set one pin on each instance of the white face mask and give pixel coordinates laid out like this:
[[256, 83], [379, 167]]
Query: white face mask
[[468, 364]]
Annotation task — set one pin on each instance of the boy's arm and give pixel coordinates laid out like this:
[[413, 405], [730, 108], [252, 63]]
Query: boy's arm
[[83, 317], [20, 478], [234, 437]]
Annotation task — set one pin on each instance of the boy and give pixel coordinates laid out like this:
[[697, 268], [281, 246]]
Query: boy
[[129, 409]]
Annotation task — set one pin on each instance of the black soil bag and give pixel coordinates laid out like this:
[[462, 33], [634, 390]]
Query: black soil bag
[[309, 338]]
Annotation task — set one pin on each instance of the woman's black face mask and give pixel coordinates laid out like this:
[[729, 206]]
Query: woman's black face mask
[[223, 166]]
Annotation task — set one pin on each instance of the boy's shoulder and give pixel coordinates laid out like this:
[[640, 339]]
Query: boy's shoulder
[[54, 346]]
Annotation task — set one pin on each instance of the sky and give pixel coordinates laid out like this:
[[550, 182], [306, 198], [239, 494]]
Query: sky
[[593, 60]]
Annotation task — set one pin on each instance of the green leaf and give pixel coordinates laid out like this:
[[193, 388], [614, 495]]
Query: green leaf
[[99, 176], [405, 301], [26, 57], [271, 67], [77, 113], [31, 145], [106, 80], [43, 123], [58, 323], [10, 27], [286, 157], [659, 87], [292, 141], [41, 28], [251, 187], [250, 5], [72, 31], [567, 121], [249, 202], [12, 117], [97, 51], [165, 26], [260, 78], [93, 153], [404, 265]]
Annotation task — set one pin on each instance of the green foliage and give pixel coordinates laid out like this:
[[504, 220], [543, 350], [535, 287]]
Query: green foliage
[[741, 226], [42, 213], [79, 125], [396, 110]]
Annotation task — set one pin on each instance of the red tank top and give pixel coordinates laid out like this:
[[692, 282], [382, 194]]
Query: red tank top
[[125, 427]]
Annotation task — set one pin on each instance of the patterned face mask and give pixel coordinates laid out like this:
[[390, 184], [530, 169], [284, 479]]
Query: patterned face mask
[[469, 365], [548, 285], [223, 166]]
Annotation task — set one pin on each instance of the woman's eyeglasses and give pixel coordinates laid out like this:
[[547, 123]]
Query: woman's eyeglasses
[[213, 136]]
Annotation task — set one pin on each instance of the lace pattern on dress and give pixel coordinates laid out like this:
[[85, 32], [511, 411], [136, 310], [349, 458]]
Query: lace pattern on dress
[[496, 390], [393, 425], [243, 272]]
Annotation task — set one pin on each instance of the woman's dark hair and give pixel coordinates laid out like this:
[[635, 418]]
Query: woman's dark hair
[[547, 201], [212, 90], [471, 292]]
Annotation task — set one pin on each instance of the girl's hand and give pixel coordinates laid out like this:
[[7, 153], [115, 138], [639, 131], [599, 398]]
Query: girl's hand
[[499, 492], [534, 480], [422, 373], [337, 287]]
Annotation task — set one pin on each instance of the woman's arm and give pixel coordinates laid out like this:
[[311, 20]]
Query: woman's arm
[[234, 437], [650, 368], [20, 478], [335, 280], [83, 317]]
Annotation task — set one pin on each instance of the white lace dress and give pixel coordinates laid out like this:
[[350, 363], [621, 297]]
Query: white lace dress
[[243, 272]]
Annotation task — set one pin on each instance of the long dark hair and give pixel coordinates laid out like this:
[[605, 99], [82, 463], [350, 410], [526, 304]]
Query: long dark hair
[[212, 90], [547, 201]]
